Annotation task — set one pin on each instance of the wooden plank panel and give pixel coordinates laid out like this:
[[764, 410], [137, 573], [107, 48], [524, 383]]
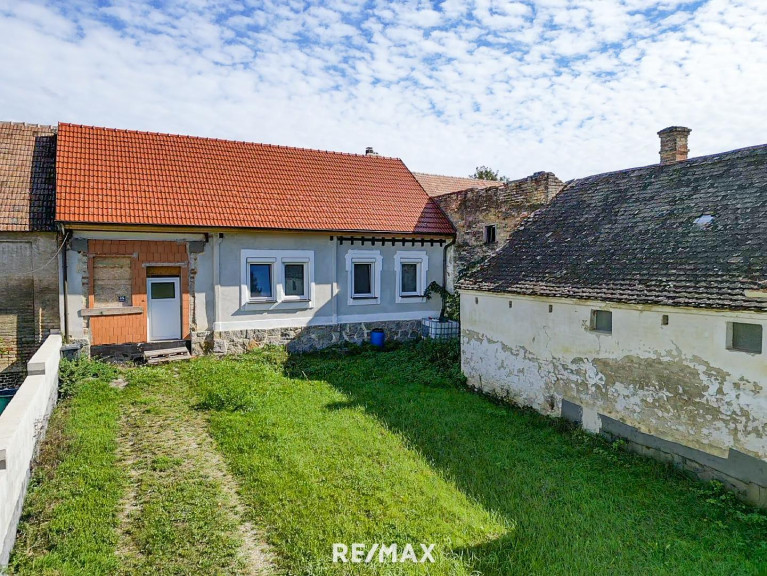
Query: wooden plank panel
[[112, 279]]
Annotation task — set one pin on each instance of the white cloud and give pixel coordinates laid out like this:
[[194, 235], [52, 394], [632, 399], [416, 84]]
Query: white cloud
[[575, 87]]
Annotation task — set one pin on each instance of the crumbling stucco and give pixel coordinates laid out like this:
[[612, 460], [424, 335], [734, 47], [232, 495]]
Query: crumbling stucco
[[681, 385]]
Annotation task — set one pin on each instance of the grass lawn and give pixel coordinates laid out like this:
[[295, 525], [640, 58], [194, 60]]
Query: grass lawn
[[70, 514], [131, 483], [189, 467]]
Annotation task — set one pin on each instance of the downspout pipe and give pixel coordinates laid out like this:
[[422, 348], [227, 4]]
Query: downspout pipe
[[216, 279], [444, 262], [65, 281]]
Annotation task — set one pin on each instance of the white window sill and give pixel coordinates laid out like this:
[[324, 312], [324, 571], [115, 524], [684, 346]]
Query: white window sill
[[730, 349], [364, 300], [263, 305], [410, 299]]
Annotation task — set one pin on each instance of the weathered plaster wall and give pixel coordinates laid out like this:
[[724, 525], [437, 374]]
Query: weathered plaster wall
[[503, 206], [677, 382]]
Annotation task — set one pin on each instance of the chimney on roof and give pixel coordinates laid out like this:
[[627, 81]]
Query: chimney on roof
[[673, 144], [370, 152]]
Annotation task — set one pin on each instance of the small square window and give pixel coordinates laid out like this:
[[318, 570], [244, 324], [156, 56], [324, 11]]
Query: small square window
[[409, 278], [363, 269], [602, 321], [490, 234], [363, 280], [162, 290], [411, 267], [295, 280], [664, 320], [261, 281], [744, 337]]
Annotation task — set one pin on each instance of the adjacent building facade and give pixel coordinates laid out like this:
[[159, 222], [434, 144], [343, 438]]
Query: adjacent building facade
[[635, 304], [229, 245], [29, 279]]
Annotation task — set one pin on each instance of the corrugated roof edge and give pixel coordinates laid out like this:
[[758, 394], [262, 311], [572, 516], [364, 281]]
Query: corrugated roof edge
[[280, 146]]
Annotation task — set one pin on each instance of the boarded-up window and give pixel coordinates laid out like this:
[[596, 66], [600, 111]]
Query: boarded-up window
[[602, 321], [745, 337], [112, 282]]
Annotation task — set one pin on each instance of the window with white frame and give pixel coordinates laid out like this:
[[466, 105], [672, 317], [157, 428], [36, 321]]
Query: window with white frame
[[276, 276], [261, 280], [364, 270], [295, 276], [411, 269]]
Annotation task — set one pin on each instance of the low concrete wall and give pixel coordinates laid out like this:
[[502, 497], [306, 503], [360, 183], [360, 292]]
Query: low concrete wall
[[22, 427]]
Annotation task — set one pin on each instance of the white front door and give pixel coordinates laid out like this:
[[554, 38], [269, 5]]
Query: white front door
[[164, 304]]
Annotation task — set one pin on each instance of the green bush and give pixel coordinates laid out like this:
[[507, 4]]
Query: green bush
[[441, 352], [73, 372], [445, 355]]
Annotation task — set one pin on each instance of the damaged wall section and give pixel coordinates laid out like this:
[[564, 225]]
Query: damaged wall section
[[669, 385], [501, 207]]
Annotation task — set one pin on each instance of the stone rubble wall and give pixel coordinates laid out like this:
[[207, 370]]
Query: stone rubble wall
[[299, 340], [503, 206]]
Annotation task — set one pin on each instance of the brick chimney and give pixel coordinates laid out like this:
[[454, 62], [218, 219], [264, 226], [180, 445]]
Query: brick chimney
[[673, 144]]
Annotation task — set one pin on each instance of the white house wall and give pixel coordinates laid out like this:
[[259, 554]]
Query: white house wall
[[678, 382], [222, 310], [329, 270]]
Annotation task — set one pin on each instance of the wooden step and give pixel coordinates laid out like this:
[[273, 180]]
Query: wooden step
[[166, 355]]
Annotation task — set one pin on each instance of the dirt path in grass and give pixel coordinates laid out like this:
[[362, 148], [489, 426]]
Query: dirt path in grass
[[181, 513]]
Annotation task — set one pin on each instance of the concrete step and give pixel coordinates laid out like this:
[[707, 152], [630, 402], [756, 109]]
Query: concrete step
[[166, 355]]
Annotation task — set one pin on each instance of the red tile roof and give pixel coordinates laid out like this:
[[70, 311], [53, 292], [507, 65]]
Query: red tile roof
[[108, 176], [27, 177], [437, 185]]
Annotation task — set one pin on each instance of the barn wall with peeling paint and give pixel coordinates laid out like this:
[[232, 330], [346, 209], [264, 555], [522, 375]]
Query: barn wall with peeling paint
[[676, 382]]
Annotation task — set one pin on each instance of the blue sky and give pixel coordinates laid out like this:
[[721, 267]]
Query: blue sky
[[573, 87]]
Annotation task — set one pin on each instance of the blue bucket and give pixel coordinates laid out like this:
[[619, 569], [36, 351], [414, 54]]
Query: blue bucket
[[377, 337]]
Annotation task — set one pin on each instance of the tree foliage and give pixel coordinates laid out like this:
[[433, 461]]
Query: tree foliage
[[486, 173], [451, 304]]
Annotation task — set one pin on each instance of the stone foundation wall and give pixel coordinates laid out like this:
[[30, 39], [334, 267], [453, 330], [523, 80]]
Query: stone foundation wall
[[298, 340]]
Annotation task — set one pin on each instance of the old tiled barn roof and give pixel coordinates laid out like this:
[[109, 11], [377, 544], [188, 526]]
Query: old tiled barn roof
[[108, 176], [27, 177], [632, 236], [436, 185]]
